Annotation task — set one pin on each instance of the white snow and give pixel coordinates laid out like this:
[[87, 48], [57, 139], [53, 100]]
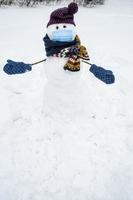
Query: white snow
[[63, 135]]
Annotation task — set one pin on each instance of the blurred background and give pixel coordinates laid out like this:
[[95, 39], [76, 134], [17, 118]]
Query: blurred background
[[31, 3]]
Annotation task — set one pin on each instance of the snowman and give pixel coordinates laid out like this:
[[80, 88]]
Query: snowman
[[63, 94]]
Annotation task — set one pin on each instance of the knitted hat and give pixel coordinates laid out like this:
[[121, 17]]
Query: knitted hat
[[64, 15]]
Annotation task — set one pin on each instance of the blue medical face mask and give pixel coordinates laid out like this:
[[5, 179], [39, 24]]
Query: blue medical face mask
[[62, 35]]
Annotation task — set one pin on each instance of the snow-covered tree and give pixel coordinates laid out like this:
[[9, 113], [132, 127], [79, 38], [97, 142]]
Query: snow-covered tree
[[6, 2], [34, 2]]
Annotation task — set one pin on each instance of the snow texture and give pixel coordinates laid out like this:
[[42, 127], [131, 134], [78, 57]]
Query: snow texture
[[64, 135]]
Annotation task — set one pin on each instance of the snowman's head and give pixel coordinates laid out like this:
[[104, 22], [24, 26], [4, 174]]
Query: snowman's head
[[62, 32], [61, 26]]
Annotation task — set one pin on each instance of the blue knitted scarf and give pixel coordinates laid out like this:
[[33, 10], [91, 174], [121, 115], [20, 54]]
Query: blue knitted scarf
[[54, 47]]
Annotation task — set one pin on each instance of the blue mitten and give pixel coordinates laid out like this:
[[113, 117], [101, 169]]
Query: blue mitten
[[13, 67], [104, 75]]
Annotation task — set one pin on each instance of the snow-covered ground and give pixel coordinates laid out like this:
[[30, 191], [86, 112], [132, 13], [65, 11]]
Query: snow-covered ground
[[67, 140]]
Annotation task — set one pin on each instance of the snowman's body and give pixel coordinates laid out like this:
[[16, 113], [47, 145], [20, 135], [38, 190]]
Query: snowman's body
[[64, 91]]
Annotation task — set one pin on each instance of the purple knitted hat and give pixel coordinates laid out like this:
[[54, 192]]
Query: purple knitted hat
[[64, 15]]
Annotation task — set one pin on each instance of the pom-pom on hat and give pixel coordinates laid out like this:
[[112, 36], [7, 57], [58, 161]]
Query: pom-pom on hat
[[64, 15]]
